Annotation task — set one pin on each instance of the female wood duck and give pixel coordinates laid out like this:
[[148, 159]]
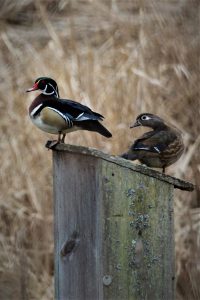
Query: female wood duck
[[54, 115], [159, 147]]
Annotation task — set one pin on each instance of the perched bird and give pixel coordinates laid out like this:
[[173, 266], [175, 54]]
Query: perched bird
[[59, 116], [159, 147]]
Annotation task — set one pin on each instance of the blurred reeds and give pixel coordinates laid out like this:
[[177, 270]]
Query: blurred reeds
[[120, 58]]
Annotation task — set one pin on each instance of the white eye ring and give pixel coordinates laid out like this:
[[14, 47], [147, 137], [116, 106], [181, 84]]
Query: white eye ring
[[144, 118]]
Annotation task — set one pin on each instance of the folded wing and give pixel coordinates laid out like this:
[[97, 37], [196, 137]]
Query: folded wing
[[154, 141]]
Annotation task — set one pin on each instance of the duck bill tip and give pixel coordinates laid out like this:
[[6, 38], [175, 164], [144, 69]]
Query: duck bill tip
[[33, 88], [136, 124], [29, 90]]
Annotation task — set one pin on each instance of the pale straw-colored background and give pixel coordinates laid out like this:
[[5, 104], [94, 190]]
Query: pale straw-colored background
[[121, 58]]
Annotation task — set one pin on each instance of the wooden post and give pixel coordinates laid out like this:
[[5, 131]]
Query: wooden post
[[114, 228]]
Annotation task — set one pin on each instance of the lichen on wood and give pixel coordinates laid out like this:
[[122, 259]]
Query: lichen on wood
[[122, 217]]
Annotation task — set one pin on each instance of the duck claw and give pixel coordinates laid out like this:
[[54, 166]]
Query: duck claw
[[52, 144]]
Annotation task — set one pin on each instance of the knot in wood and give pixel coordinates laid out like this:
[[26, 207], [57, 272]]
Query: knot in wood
[[70, 244]]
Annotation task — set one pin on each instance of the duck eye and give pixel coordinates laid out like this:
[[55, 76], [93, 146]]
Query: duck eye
[[144, 118]]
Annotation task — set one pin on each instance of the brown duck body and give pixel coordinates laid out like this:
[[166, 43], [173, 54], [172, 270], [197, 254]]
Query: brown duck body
[[158, 148]]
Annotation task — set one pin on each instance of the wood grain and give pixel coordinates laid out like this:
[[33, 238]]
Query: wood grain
[[177, 183], [114, 236]]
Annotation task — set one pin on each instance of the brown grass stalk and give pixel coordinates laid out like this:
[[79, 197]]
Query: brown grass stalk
[[120, 58]]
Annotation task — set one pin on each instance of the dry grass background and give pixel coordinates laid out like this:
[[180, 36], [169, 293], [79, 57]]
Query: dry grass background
[[121, 58]]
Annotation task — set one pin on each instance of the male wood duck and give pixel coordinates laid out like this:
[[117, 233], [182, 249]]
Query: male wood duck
[[59, 116], [159, 147]]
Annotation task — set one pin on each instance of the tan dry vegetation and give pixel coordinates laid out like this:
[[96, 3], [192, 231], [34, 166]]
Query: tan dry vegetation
[[121, 58]]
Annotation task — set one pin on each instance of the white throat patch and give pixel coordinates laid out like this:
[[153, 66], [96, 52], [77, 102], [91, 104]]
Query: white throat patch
[[51, 93]]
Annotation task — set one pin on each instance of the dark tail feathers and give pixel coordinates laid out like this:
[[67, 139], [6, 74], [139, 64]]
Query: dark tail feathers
[[95, 126], [129, 155]]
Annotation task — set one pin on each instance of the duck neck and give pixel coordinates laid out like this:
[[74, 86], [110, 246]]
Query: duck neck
[[159, 126]]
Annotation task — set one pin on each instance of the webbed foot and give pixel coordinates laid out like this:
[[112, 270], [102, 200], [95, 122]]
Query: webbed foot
[[52, 144]]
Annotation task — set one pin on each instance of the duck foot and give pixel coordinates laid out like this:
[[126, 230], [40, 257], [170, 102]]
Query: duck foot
[[52, 144]]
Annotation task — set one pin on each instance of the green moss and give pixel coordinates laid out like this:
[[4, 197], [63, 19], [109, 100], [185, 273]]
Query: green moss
[[136, 218]]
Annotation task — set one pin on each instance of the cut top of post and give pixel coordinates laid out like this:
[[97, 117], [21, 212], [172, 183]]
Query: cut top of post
[[177, 183]]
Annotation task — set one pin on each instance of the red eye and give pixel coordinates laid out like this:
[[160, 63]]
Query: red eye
[[43, 81]]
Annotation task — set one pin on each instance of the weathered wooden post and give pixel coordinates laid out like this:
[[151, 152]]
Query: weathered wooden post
[[114, 232]]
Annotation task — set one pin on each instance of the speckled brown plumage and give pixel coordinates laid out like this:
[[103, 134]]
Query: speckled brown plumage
[[158, 148]]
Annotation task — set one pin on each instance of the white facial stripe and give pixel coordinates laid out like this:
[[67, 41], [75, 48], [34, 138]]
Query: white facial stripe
[[35, 110], [45, 93], [53, 92], [53, 88]]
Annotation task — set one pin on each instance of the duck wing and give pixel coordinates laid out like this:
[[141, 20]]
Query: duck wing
[[73, 110], [155, 141]]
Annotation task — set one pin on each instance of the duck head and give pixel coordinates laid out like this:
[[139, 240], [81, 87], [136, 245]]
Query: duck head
[[47, 85], [149, 120]]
